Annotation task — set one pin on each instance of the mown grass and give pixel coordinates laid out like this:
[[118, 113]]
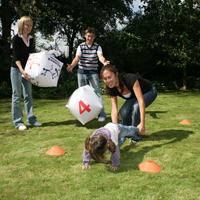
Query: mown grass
[[27, 172]]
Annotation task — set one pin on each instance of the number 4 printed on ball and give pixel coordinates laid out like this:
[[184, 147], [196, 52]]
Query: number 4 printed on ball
[[85, 108]]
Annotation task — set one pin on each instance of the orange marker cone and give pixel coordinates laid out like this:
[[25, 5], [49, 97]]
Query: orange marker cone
[[185, 121], [149, 166], [55, 150]]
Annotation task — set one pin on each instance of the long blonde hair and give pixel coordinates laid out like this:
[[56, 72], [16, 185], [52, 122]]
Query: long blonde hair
[[22, 21], [97, 146]]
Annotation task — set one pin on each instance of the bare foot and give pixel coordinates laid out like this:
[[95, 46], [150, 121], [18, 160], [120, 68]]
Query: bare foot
[[143, 133]]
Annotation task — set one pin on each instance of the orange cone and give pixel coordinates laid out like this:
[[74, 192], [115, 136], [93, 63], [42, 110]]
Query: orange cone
[[55, 150], [149, 166], [185, 121]]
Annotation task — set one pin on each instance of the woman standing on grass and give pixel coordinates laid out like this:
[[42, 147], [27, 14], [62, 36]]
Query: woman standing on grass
[[138, 92], [22, 47]]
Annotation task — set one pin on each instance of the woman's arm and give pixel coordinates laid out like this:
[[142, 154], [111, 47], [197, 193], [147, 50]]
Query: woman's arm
[[138, 93], [114, 111], [16, 53], [25, 74]]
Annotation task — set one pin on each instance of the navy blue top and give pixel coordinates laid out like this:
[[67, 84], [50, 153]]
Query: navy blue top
[[21, 51], [129, 81]]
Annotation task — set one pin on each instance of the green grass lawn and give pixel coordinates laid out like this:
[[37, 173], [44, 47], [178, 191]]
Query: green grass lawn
[[27, 172]]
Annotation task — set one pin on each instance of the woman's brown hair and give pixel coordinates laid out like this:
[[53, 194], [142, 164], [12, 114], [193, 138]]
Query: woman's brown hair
[[96, 145], [113, 69]]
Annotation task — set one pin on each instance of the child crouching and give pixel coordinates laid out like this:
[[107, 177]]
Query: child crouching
[[108, 139]]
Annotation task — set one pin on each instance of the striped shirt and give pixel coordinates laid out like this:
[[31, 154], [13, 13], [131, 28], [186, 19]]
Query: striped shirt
[[88, 62]]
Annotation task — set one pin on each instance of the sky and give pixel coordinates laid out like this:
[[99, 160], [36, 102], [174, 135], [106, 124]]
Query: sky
[[137, 3], [62, 46]]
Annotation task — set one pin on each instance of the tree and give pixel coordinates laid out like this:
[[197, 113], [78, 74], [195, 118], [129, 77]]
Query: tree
[[71, 18], [7, 17], [161, 43], [11, 11], [177, 33], [6, 26]]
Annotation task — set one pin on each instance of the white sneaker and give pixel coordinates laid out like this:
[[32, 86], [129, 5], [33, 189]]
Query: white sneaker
[[22, 127], [135, 141], [101, 119], [37, 124]]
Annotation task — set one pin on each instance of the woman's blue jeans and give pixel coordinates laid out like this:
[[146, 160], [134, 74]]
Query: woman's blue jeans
[[130, 111], [93, 80], [17, 81]]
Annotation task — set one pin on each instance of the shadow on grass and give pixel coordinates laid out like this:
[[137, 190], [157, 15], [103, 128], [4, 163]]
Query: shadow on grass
[[94, 124], [153, 113], [127, 157], [14, 132]]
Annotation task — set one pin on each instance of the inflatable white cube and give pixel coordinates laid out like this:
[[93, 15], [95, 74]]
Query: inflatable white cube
[[43, 69], [85, 104]]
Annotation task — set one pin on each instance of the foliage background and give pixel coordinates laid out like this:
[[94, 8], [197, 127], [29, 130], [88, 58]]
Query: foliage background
[[160, 42]]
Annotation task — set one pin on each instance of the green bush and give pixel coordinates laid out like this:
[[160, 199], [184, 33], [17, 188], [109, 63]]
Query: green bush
[[169, 85], [60, 92], [5, 90], [159, 86], [102, 88], [44, 93], [172, 86]]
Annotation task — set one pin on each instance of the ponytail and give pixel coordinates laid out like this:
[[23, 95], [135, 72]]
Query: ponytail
[[112, 146], [87, 141]]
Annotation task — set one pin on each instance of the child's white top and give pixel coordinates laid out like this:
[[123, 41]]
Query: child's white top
[[79, 52], [113, 128]]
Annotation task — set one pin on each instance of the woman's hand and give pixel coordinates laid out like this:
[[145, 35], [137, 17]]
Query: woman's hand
[[85, 166], [141, 127], [26, 75], [142, 130], [113, 168]]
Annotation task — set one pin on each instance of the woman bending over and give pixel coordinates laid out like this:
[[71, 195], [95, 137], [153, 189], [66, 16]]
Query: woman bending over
[[138, 92]]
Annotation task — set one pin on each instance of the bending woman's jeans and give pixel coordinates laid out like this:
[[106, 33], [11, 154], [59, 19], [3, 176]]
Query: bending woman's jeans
[[131, 108], [17, 114]]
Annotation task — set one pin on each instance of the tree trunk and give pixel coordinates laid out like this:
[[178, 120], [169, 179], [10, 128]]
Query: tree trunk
[[6, 27], [185, 78]]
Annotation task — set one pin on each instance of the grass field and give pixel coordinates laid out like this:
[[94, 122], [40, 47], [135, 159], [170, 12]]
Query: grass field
[[27, 172]]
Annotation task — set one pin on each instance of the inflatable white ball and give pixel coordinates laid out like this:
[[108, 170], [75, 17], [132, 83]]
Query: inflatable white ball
[[43, 69], [85, 104]]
